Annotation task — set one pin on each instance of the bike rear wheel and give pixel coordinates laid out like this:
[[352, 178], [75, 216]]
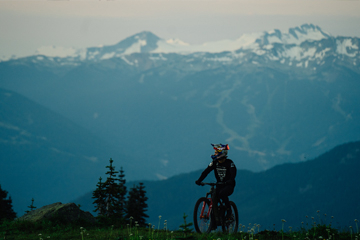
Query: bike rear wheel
[[232, 226], [202, 217]]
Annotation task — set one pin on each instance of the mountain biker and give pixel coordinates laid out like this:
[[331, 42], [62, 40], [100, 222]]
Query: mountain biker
[[225, 173]]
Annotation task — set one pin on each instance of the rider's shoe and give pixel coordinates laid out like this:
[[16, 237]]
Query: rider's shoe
[[228, 213], [229, 217], [230, 220], [218, 221], [213, 227]]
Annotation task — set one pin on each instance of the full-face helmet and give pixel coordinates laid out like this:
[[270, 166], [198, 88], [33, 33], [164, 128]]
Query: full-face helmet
[[221, 151]]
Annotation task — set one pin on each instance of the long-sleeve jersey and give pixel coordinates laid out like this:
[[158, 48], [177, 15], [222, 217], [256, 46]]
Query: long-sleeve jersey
[[224, 172]]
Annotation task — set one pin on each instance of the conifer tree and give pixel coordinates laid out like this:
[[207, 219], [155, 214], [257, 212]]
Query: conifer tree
[[6, 208], [131, 204], [32, 207], [111, 190], [185, 226], [142, 203], [136, 204], [122, 194], [99, 195], [110, 195]]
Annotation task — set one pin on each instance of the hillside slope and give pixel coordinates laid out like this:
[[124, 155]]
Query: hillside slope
[[290, 191], [46, 156]]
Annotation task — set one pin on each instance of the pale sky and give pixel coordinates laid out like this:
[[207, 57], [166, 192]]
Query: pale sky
[[26, 25]]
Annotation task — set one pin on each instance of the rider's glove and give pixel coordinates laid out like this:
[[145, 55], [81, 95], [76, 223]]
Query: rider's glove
[[198, 182]]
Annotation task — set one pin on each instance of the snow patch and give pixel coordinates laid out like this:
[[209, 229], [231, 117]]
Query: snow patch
[[322, 54], [57, 51], [159, 57], [177, 46], [345, 45], [176, 42], [298, 53], [134, 48], [108, 55], [219, 59], [127, 61]]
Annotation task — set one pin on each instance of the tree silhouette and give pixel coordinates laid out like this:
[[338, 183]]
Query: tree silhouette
[[6, 208], [110, 195], [111, 190], [122, 194], [100, 198], [136, 204], [110, 198], [32, 207], [185, 226]]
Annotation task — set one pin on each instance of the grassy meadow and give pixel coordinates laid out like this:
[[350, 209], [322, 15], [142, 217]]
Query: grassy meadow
[[112, 230]]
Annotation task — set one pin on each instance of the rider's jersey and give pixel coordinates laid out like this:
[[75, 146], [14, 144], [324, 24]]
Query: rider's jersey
[[224, 172]]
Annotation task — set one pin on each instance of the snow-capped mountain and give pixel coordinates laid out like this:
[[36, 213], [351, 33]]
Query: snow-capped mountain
[[306, 46], [251, 90], [147, 42], [307, 43], [295, 35], [274, 97]]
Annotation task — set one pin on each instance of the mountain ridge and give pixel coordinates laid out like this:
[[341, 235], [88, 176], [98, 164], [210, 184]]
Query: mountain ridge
[[306, 47], [46, 156], [288, 191], [147, 42], [272, 103]]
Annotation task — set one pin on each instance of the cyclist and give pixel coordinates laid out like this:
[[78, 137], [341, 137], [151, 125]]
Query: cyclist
[[225, 173]]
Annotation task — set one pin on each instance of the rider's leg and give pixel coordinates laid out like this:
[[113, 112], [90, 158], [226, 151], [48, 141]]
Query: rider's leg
[[215, 209], [224, 194]]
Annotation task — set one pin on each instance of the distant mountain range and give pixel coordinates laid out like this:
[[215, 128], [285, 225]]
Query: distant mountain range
[[147, 42], [155, 105], [46, 156], [293, 191]]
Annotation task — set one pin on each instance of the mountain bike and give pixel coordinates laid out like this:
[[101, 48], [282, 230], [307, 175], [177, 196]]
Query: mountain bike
[[204, 216]]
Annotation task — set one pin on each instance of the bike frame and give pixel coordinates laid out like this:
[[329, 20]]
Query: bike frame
[[211, 192], [210, 207]]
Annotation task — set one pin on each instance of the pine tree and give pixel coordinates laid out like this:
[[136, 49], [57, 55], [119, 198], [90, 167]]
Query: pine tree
[[131, 203], [185, 226], [110, 195], [32, 207], [142, 203], [99, 195], [111, 190], [136, 204], [6, 208], [122, 194]]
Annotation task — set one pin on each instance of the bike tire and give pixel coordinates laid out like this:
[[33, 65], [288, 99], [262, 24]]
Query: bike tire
[[202, 224], [232, 227]]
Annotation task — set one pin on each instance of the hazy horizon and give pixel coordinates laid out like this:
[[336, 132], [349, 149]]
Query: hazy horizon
[[28, 25]]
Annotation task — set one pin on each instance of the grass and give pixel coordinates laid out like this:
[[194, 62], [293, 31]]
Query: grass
[[21, 230]]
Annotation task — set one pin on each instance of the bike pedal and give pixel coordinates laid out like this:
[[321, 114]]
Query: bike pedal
[[230, 220]]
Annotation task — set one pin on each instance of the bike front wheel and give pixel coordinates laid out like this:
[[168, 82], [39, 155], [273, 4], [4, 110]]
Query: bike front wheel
[[231, 226], [202, 216]]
